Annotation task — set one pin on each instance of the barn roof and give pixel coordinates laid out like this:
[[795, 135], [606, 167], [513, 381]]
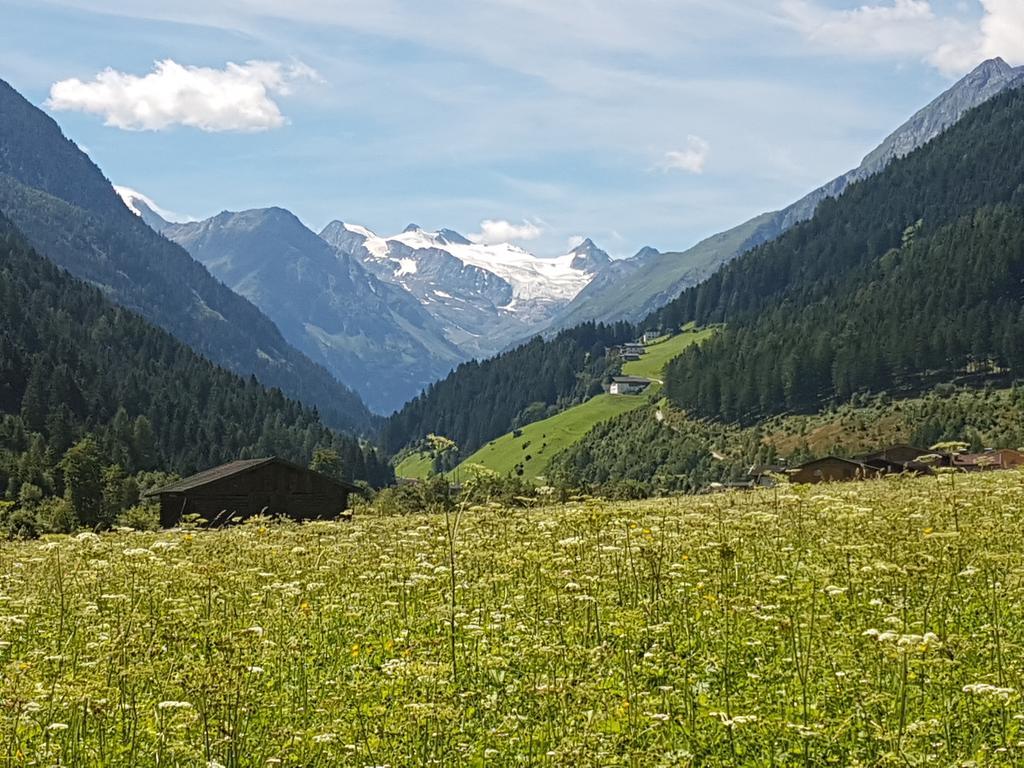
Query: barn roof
[[231, 469], [826, 460], [630, 380]]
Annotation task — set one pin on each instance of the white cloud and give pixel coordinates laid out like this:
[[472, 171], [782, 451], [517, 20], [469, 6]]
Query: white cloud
[[690, 160], [236, 98], [494, 232], [1003, 30], [913, 28], [574, 242]]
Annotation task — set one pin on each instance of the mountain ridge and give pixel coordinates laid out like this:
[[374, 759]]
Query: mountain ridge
[[661, 278], [61, 201]]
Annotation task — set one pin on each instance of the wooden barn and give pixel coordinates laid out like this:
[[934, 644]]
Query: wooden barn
[[256, 486], [831, 469]]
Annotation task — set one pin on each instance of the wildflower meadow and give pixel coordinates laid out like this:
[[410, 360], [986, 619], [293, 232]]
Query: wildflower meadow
[[868, 624]]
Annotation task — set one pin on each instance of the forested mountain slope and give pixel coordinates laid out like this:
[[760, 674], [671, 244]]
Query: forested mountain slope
[[663, 276], [914, 272], [69, 211], [72, 363], [482, 400]]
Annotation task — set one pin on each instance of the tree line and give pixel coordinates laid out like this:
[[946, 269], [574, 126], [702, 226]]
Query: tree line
[[912, 273], [480, 401]]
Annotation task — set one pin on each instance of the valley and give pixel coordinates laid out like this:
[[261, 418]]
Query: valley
[[284, 484]]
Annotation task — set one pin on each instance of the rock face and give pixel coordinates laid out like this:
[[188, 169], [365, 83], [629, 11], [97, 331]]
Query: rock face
[[661, 278], [485, 297], [374, 334]]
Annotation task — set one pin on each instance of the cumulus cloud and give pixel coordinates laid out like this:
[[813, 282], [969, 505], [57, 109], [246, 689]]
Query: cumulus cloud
[[1003, 29], [575, 242], [494, 232], [913, 28], [239, 97], [692, 159]]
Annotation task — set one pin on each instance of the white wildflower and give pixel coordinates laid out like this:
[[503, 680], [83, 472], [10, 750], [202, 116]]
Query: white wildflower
[[174, 705], [984, 689]]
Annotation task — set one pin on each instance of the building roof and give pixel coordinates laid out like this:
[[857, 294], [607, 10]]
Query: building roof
[[825, 459], [232, 469], [630, 380], [884, 452]]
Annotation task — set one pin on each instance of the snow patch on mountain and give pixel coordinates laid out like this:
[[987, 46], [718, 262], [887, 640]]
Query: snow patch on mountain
[[532, 277], [142, 206]]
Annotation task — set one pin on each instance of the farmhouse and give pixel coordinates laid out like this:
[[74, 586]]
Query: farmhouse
[[831, 469], [628, 385], [242, 489], [634, 347], [1001, 458]]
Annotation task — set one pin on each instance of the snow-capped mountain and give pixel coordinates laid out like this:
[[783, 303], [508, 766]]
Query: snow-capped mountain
[[485, 295], [372, 335]]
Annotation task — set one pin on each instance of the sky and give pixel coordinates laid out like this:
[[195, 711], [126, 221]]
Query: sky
[[632, 122]]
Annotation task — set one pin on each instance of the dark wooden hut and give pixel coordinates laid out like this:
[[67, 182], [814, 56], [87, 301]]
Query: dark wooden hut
[[256, 486]]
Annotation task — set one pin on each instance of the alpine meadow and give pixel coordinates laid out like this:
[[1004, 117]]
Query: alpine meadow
[[683, 427]]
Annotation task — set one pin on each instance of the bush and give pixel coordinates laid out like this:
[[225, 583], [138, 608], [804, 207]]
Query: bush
[[17, 522], [55, 514], [141, 517]]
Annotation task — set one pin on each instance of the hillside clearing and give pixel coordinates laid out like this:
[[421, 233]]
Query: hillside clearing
[[416, 466], [819, 626], [539, 442]]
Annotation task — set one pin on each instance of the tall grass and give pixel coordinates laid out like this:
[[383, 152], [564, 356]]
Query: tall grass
[[858, 625]]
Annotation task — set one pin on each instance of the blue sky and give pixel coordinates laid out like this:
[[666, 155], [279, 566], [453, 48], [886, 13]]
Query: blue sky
[[634, 122]]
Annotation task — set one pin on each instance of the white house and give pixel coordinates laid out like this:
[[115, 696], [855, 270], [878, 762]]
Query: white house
[[628, 385]]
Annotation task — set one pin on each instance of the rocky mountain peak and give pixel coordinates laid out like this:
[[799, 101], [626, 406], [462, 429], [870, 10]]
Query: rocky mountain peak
[[588, 257], [646, 252]]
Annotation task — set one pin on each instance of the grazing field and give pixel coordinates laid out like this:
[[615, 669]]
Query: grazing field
[[537, 443], [652, 364], [415, 466], [869, 624], [534, 445]]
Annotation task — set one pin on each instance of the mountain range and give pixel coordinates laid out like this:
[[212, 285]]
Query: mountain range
[[485, 296], [321, 315], [386, 315], [373, 335]]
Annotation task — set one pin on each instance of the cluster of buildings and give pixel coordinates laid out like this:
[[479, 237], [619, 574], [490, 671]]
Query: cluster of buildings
[[629, 353], [894, 460]]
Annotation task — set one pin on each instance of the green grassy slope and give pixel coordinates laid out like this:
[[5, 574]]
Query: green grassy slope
[[658, 354], [537, 443], [415, 466]]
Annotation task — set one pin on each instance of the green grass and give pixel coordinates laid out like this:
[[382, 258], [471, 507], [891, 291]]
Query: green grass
[[867, 624], [415, 466], [652, 364], [542, 440]]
